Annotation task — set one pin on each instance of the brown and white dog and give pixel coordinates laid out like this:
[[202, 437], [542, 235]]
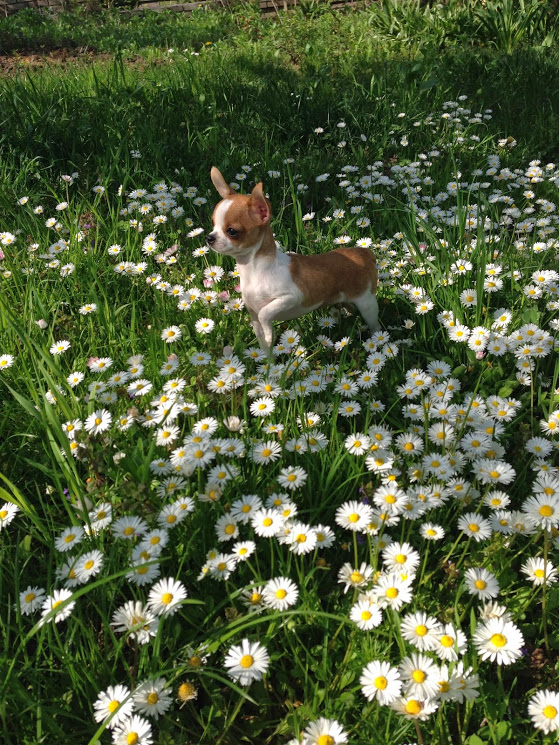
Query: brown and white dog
[[278, 286]]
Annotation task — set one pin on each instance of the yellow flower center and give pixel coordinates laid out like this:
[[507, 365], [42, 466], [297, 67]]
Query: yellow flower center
[[498, 640], [380, 682], [280, 594], [546, 510], [152, 698], [413, 707], [353, 518], [132, 738], [113, 705], [421, 630], [325, 740], [539, 572], [392, 593], [246, 661], [267, 522], [266, 453], [230, 529], [480, 584], [366, 615], [29, 597], [473, 527], [167, 598], [447, 641], [400, 559], [356, 577], [419, 676], [549, 711], [88, 564]]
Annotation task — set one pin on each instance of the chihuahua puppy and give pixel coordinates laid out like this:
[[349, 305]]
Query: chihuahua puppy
[[279, 286]]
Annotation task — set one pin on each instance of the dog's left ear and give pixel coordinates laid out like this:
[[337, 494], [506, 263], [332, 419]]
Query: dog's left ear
[[259, 206], [223, 188]]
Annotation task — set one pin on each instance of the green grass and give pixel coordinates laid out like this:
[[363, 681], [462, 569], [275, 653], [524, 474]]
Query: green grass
[[254, 97]]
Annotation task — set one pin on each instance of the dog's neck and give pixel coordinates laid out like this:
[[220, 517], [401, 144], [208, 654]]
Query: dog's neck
[[265, 250]]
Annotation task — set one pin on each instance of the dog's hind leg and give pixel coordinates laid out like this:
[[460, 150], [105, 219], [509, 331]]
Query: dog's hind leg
[[367, 305]]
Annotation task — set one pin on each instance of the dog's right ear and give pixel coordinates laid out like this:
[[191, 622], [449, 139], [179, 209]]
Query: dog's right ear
[[223, 188]]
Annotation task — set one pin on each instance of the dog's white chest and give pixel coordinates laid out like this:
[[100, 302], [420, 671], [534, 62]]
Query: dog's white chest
[[264, 281]]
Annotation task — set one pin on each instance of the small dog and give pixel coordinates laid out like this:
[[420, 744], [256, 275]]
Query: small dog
[[278, 286]]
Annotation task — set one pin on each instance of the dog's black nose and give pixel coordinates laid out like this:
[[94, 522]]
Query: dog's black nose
[[210, 238]]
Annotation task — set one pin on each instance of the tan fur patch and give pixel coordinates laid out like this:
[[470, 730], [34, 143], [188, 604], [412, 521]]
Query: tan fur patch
[[330, 278]]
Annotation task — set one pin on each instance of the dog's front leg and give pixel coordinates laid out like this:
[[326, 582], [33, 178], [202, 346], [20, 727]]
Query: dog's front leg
[[273, 311], [259, 331]]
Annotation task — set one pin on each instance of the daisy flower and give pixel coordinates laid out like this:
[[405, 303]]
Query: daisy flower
[[152, 697], [6, 360], [481, 583], [324, 731], [265, 452], [128, 527], [280, 593], [89, 565], [115, 702], [7, 513], [419, 675], [420, 630], [137, 620], [537, 570], [267, 522], [381, 682], [414, 708], [354, 516], [474, 526], [432, 532], [392, 591], [542, 510], [354, 577], [165, 595], [59, 347], [99, 421], [449, 643], [247, 661], [490, 471], [365, 615], [292, 477], [226, 528], [301, 539], [262, 406], [57, 602], [400, 557], [543, 709], [136, 730], [242, 550], [498, 640], [31, 599], [357, 444], [171, 334], [204, 325]]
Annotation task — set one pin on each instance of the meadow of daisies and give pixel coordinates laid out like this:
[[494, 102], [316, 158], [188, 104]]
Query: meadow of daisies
[[352, 540]]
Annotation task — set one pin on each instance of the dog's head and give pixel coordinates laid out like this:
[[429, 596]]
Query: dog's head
[[239, 220]]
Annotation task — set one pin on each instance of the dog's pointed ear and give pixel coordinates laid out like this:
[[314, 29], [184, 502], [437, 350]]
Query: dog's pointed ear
[[223, 188], [259, 206]]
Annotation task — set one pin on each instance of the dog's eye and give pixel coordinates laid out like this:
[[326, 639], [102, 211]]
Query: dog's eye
[[232, 232]]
